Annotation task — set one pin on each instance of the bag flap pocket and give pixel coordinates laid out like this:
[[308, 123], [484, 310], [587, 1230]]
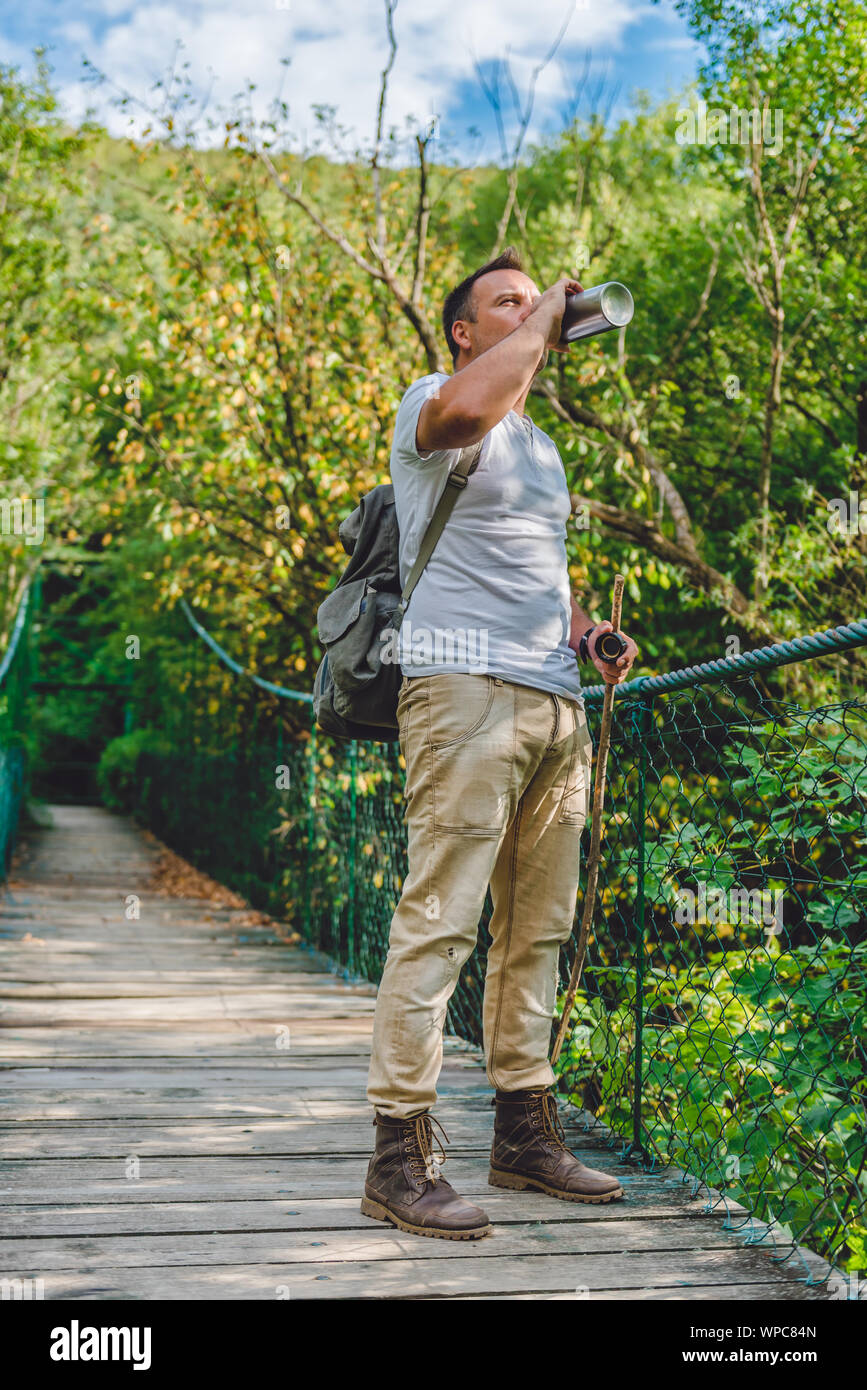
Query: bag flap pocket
[[340, 610]]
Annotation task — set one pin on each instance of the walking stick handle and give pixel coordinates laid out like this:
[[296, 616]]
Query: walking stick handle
[[595, 853]]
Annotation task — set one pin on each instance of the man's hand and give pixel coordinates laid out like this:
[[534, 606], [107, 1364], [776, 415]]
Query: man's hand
[[612, 672], [549, 309]]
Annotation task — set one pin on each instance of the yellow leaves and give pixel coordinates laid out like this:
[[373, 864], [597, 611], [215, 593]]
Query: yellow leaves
[[222, 321], [306, 514], [300, 663], [106, 540], [238, 397], [237, 307], [367, 849], [268, 548], [297, 547], [103, 390], [226, 411], [377, 879]]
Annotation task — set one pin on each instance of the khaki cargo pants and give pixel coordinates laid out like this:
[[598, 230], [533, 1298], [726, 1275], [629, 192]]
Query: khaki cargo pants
[[497, 786]]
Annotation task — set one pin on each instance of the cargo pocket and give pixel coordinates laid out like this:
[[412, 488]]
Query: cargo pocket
[[575, 802], [472, 749]]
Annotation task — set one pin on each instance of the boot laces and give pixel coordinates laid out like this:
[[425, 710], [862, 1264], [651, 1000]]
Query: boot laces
[[423, 1161], [543, 1112]]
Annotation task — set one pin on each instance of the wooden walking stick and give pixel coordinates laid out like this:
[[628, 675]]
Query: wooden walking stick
[[595, 853]]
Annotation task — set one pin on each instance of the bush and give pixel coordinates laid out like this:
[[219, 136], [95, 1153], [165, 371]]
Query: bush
[[123, 767]]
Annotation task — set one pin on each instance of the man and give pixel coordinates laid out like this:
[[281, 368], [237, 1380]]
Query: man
[[497, 760]]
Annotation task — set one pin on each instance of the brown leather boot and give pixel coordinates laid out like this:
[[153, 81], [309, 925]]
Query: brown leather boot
[[404, 1185], [529, 1150]]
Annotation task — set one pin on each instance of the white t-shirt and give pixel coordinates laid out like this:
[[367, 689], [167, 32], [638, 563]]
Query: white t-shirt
[[494, 597]]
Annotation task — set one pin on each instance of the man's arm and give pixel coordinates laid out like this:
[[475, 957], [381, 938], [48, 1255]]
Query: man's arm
[[580, 623], [477, 397]]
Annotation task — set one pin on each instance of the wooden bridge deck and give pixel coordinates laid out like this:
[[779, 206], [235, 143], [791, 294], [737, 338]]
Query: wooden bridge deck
[[184, 1116]]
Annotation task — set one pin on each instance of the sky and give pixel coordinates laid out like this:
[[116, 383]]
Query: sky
[[336, 51]]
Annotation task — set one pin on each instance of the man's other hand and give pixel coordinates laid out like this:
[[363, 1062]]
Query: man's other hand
[[612, 672]]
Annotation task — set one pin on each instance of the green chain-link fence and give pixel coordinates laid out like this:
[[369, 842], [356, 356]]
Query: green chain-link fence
[[720, 1025]]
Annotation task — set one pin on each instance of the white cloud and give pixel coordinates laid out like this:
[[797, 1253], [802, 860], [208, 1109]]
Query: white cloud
[[77, 34], [677, 43], [14, 54], [337, 52]]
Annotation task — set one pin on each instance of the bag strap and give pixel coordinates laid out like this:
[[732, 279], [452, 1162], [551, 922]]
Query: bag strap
[[455, 483]]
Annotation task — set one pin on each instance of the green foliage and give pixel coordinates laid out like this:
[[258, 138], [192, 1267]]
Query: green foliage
[[761, 1091], [754, 1028], [219, 412], [122, 773]]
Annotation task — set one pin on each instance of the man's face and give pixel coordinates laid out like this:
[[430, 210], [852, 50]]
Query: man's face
[[502, 299]]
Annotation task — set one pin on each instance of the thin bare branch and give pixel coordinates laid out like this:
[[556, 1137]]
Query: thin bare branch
[[390, 7]]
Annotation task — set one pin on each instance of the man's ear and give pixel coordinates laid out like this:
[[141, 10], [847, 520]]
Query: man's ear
[[460, 335]]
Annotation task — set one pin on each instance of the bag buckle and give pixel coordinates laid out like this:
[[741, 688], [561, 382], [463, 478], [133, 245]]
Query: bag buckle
[[457, 479]]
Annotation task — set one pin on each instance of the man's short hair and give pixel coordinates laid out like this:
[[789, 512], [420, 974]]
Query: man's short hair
[[460, 303]]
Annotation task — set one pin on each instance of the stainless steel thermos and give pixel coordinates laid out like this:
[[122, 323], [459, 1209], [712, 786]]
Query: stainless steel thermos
[[595, 311]]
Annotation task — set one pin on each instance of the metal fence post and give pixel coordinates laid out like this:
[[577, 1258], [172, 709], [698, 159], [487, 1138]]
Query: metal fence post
[[641, 723], [353, 850], [311, 816]]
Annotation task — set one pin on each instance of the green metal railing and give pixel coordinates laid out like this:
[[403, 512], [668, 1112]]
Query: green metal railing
[[14, 690], [721, 1023]]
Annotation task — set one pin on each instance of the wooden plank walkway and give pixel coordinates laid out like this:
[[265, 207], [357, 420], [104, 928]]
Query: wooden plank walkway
[[184, 1116]]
